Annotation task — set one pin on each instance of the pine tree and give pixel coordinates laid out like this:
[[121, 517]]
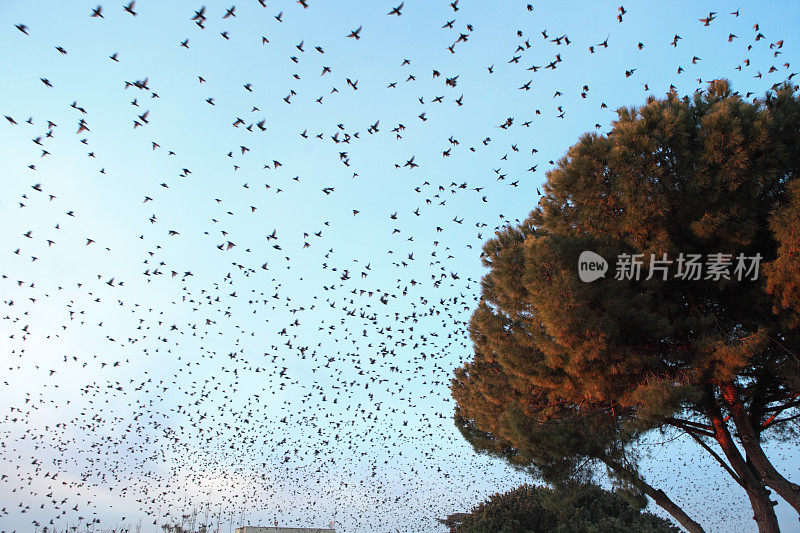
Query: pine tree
[[577, 509], [570, 375]]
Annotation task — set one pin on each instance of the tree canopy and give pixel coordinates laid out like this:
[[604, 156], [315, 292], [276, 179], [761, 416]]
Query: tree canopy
[[585, 509], [570, 375]]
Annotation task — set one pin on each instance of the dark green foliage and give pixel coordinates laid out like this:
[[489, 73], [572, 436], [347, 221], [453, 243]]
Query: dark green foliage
[[583, 509], [783, 281]]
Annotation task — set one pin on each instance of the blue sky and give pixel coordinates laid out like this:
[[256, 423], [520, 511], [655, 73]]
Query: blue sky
[[161, 392]]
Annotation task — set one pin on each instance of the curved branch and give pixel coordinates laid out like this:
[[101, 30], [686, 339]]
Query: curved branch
[[716, 456], [658, 495], [690, 426], [779, 421]]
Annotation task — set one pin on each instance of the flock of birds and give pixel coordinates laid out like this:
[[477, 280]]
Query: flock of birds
[[269, 337]]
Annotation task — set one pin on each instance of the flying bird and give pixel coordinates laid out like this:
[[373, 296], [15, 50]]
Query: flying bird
[[355, 33]]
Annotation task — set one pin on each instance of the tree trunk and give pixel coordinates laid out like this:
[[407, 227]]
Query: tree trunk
[[764, 512], [763, 509], [663, 501], [755, 453], [657, 495]]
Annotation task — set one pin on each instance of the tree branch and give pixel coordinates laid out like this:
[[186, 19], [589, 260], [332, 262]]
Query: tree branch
[[794, 403], [778, 421], [716, 456], [755, 453], [658, 495], [689, 426]]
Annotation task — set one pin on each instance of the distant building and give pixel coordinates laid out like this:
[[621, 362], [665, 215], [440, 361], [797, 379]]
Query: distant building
[[252, 529]]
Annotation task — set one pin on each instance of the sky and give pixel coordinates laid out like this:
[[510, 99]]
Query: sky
[[259, 323]]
